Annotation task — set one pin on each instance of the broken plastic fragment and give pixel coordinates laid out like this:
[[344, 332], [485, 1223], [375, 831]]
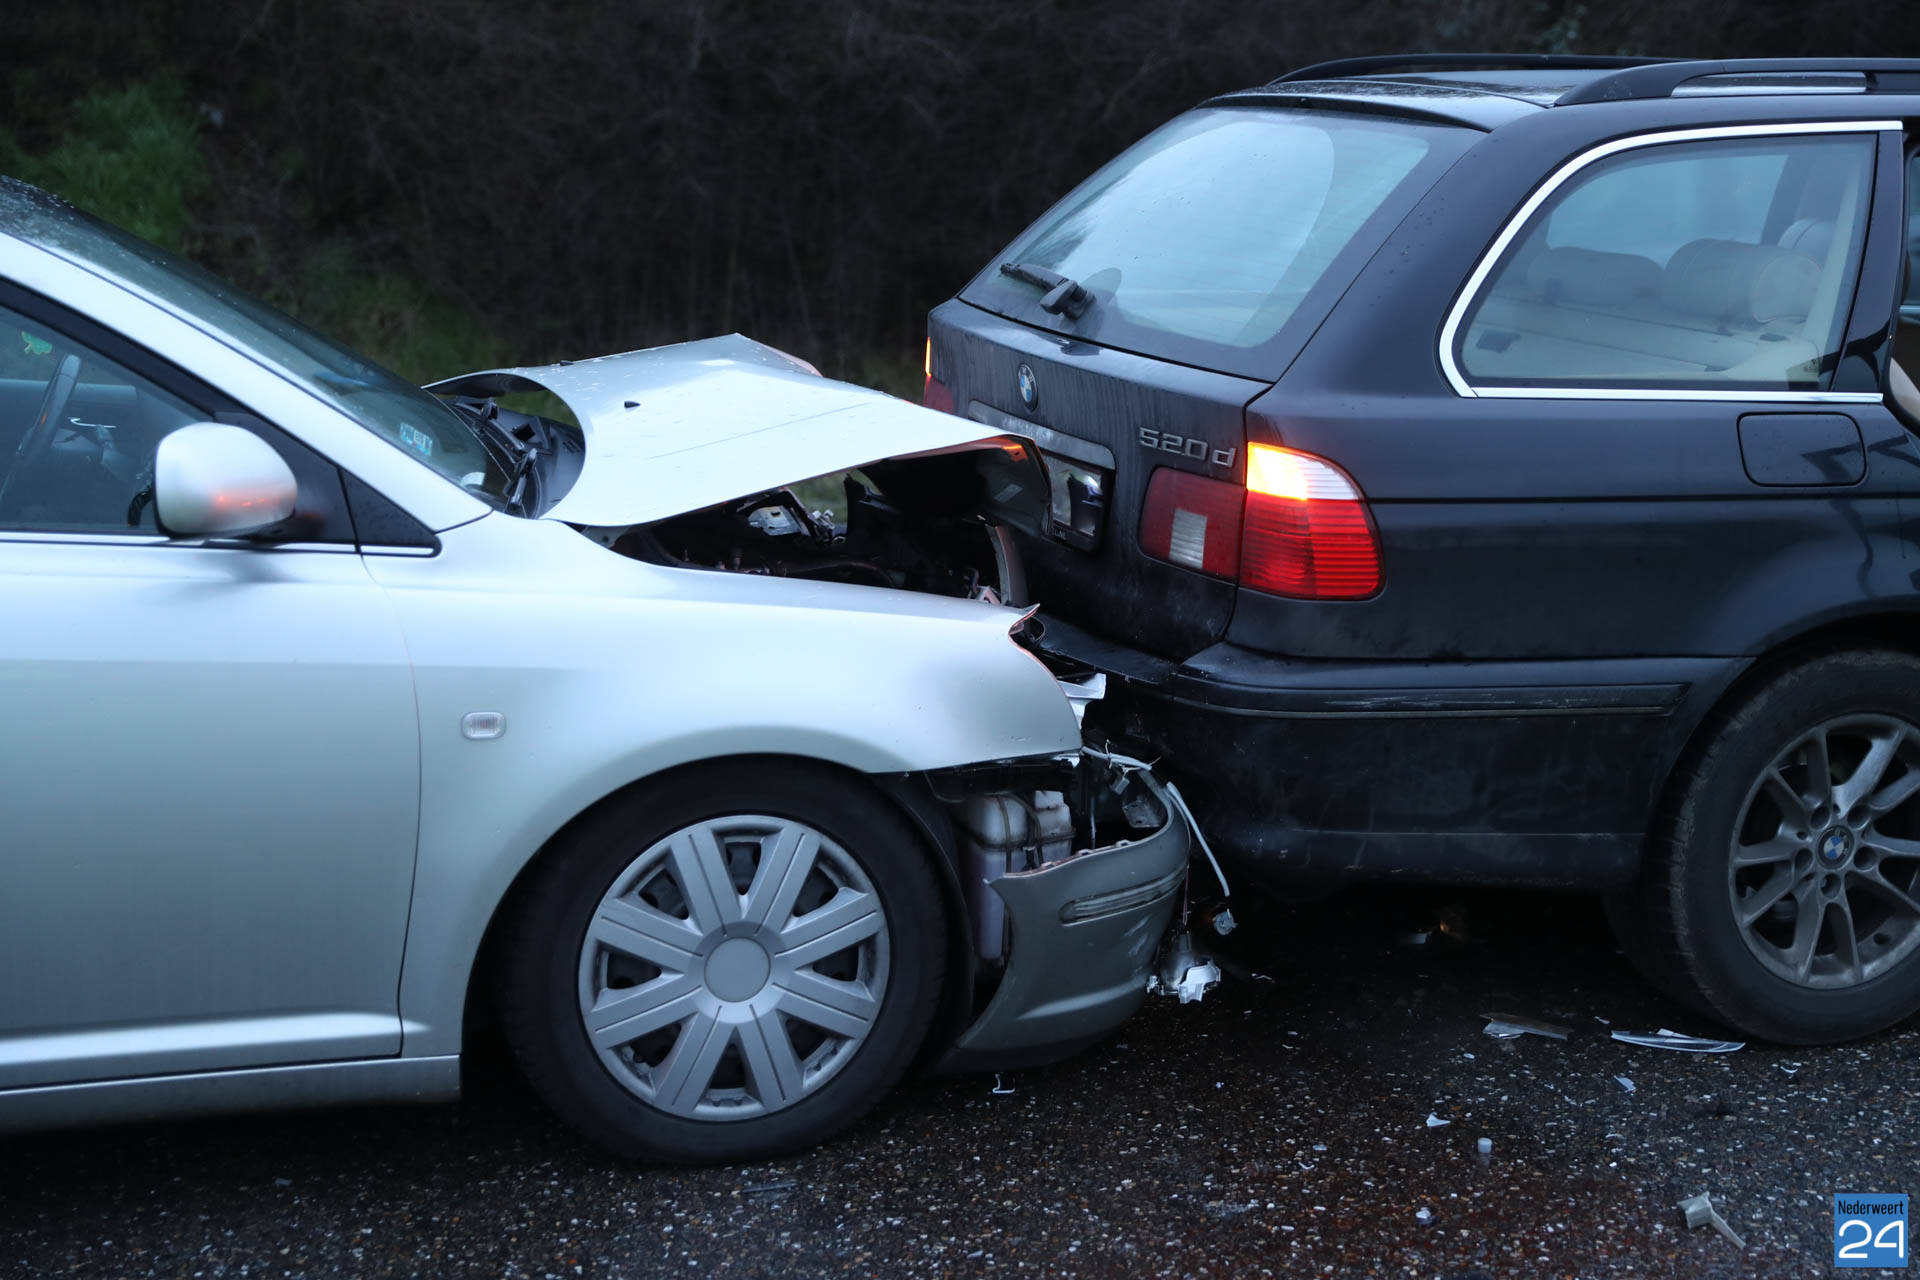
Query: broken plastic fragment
[[1484, 1146], [1510, 1026], [1223, 921], [1665, 1039], [1434, 1121], [1625, 1083], [1791, 1068], [1423, 1214], [997, 1086], [1084, 692], [1701, 1213], [1199, 980], [1182, 972]]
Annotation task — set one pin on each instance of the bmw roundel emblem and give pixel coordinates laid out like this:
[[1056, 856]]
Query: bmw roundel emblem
[[1029, 387], [1837, 845]]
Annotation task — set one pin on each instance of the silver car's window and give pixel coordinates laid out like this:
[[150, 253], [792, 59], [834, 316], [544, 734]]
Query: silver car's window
[[416, 423], [81, 471], [1718, 265]]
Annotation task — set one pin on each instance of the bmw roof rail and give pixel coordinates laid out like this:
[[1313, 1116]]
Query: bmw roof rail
[[1664, 79], [1387, 64]]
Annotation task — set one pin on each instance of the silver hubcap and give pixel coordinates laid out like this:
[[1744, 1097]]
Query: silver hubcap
[[733, 967], [1825, 868]]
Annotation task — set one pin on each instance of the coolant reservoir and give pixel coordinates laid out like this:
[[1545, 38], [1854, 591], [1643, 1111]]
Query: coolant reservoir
[[1054, 825], [1001, 832], [993, 829]]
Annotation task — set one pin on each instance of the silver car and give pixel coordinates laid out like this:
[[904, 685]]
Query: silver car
[[336, 714]]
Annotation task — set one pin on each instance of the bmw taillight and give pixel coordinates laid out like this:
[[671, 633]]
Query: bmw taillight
[[1300, 526], [1307, 530], [1193, 521], [936, 394]]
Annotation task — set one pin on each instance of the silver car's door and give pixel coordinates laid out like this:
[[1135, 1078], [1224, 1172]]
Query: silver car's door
[[209, 776]]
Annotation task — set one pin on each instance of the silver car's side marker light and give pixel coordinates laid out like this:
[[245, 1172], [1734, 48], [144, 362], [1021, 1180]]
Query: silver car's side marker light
[[482, 725]]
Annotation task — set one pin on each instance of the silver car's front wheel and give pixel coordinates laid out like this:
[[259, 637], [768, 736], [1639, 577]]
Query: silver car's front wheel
[[732, 962], [734, 967]]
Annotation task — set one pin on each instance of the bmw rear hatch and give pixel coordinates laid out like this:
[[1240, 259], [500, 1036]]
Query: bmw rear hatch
[[1127, 329]]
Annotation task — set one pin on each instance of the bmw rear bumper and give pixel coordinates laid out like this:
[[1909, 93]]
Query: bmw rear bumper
[[1522, 773]]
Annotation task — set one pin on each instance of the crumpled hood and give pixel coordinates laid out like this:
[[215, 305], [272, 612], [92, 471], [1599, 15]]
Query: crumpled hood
[[674, 429]]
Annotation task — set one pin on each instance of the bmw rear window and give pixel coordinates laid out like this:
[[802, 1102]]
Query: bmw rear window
[[1216, 239]]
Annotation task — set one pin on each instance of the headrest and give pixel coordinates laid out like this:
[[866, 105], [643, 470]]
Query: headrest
[[1591, 277], [1811, 236], [1747, 284]]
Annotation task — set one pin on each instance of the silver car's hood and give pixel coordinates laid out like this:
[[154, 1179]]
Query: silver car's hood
[[674, 429]]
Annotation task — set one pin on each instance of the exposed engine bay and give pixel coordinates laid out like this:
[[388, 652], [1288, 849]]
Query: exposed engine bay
[[934, 524], [877, 545]]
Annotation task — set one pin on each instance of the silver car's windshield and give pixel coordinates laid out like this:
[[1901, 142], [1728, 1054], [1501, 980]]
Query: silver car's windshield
[[413, 421]]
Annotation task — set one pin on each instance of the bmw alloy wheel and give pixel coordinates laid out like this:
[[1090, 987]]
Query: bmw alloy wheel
[[1824, 872]]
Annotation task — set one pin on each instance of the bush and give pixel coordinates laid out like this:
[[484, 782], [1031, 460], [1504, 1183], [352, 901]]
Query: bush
[[130, 155]]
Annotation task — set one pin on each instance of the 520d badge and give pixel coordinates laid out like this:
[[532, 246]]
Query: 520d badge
[[1186, 447]]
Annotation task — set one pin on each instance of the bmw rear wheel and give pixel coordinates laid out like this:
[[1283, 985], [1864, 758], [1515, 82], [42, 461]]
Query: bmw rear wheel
[[1781, 891], [730, 967]]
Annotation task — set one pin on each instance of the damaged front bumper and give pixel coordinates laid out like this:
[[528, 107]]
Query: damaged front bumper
[[1080, 934]]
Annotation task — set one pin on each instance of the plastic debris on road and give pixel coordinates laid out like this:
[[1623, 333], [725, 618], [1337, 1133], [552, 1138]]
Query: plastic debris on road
[[1701, 1213], [1423, 1215], [997, 1086], [1434, 1121], [1665, 1039], [1223, 922], [1182, 972], [1625, 1083], [1507, 1026]]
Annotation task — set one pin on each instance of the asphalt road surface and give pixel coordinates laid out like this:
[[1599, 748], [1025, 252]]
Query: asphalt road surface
[[1278, 1128]]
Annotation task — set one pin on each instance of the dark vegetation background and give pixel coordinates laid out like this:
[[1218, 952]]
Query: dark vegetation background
[[449, 184]]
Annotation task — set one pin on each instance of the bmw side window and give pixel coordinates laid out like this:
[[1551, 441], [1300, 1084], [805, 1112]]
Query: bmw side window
[[1715, 265], [1910, 305], [77, 433]]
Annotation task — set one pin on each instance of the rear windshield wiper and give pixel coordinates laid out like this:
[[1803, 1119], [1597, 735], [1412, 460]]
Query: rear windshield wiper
[[1064, 297]]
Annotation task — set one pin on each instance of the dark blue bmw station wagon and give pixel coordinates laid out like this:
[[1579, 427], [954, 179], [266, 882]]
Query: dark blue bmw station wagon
[[1501, 469]]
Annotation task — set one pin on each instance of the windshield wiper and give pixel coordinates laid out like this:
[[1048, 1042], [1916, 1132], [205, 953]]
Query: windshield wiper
[[516, 456], [1063, 297]]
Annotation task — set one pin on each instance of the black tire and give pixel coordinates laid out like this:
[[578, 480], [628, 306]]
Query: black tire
[[541, 972], [1678, 923]]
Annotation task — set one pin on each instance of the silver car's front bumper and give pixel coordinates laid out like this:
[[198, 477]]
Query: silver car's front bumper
[[1083, 936]]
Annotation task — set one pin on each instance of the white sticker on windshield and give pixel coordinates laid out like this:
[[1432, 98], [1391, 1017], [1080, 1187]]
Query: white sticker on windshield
[[416, 439]]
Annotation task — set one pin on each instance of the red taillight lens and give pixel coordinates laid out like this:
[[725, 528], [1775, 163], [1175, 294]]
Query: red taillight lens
[[1307, 529], [936, 394], [1193, 521]]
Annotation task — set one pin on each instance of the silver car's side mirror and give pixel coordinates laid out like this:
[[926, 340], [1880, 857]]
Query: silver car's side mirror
[[212, 479]]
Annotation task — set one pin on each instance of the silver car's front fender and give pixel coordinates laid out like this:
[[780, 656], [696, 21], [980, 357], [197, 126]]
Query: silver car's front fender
[[606, 671]]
